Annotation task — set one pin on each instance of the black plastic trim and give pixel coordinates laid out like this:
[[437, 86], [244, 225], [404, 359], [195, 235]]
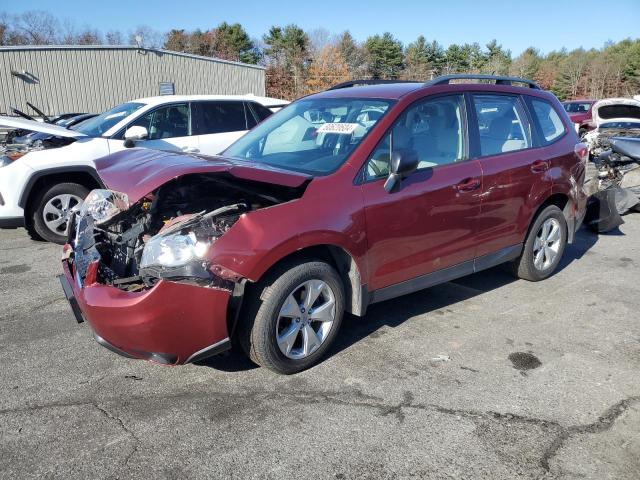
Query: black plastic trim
[[12, 222], [446, 274], [210, 351], [111, 347], [498, 79], [68, 293]]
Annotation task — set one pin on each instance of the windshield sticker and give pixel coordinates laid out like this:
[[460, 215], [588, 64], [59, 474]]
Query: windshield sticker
[[346, 128]]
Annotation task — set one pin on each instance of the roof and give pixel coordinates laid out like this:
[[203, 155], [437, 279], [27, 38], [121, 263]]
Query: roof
[[391, 91], [160, 99], [125, 47]]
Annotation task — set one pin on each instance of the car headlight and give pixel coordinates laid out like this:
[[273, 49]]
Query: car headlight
[[173, 250], [103, 205]]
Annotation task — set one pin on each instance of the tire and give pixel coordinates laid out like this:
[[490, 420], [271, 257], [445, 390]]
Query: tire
[[50, 197], [262, 322], [528, 266]]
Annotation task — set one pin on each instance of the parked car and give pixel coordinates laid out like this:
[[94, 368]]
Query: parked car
[[67, 122], [580, 114], [50, 180], [613, 175], [324, 208]]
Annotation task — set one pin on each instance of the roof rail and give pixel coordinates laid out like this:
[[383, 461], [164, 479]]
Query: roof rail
[[498, 79], [370, 81]]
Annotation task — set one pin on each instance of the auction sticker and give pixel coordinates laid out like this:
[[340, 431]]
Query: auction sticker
[[346, 128]]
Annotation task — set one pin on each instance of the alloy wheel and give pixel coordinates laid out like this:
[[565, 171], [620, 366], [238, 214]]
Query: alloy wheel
[[58, 210], [547, 244], [305, 319]]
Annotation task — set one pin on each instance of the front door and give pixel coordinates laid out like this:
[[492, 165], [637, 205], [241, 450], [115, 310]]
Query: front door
[[429, 223], [169, 128]]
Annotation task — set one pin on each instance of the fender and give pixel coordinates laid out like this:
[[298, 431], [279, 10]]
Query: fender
[[24, 196]]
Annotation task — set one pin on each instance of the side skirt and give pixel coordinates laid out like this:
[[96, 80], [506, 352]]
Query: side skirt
[[446, 274]]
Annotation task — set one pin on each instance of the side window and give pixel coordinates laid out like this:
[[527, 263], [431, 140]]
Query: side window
[[165, 122], [501, 124], [432, 128], [219, 117], [261, 112], [551, 125]]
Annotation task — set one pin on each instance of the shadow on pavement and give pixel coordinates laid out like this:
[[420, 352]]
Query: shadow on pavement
[[393, 313]]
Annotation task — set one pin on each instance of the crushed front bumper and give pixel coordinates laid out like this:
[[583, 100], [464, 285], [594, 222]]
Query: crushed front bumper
[[170, 323]]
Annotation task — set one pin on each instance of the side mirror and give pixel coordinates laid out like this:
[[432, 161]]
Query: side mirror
[[134, 134], [403, 163]]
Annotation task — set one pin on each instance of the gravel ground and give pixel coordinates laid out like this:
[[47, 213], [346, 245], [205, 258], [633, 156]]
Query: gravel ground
[[485, 377]]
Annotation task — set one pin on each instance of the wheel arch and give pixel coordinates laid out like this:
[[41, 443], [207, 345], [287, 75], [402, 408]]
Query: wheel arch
[[343, 261], [83, 175], [563, 202]]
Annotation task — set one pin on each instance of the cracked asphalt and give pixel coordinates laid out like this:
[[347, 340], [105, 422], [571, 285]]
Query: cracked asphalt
[[485, 377]]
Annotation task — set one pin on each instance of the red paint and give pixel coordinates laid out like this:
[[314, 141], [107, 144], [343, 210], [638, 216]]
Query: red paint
[[173, 318], [438, 218]]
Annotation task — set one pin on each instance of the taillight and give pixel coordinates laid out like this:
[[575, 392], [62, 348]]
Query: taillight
[[582, 151]]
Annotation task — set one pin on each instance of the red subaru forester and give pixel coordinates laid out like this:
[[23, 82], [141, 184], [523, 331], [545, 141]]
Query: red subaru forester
[[343, 199]]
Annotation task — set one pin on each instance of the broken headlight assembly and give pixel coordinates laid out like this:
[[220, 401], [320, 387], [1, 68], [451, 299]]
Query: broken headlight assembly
[[175, 250], [103, 205]]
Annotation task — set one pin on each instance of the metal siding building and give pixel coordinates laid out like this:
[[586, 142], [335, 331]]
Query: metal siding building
[[60, 79]]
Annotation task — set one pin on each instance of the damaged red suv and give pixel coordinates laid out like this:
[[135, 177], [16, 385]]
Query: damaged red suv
[[343, 199]]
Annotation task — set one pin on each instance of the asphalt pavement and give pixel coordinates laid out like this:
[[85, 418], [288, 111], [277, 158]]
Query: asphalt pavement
[[483, 378]]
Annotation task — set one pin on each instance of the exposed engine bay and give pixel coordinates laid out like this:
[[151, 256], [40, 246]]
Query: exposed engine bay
[[613, 183], [167, 234]]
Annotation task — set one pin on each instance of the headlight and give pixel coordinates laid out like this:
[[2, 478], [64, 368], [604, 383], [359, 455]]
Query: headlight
[[103, 205], [11, 156], [173, 250]]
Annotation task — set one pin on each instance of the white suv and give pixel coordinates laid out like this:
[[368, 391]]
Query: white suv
[[42, 185]]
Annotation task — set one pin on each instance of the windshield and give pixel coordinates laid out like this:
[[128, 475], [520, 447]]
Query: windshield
[[576, 107], [313, 136], [97, 126]]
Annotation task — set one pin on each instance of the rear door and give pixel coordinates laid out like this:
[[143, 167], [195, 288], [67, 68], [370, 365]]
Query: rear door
[[515, 173], [220, 123], [429, 224], [169, 128]]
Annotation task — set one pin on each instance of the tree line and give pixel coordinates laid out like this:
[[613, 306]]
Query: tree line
[[300, 62]]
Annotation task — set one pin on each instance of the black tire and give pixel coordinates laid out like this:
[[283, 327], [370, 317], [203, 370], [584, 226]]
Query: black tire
[[37, 221], [257, 328], [523, 266]]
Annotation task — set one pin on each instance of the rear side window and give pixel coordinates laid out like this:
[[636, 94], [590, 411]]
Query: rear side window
[[219, 117], [501, 124], [551, 126]]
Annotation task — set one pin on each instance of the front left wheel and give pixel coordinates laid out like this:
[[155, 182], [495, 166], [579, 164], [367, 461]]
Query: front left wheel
[[293, 317]]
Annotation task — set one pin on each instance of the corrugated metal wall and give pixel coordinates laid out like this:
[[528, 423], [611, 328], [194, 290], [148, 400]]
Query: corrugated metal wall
[[93, 79]]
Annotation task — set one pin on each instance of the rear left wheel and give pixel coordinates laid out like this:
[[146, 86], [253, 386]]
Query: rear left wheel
[[293, 317], [544, 246]]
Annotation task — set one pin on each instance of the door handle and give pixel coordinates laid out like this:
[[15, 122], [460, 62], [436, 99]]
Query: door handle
[[540, 166], [468, 184], [190, 149]]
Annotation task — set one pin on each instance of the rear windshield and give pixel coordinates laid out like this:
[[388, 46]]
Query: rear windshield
[[575, 107], [619, 111], [98, 126]]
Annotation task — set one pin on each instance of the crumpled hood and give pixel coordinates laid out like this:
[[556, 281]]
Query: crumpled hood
[[139, 171], [33, 126], [616, 110]]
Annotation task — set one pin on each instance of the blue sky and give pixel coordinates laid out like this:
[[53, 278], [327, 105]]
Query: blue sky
[[545, 24]]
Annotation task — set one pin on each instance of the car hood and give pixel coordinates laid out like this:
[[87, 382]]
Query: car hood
[[139, 171], [616, 110], [33, 126]]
